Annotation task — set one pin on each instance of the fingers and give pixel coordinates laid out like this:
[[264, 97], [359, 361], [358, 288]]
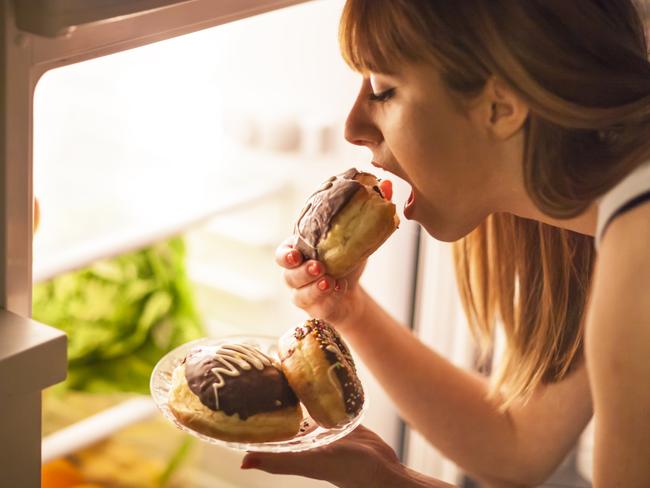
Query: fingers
[[358, 459], [286, 256], [312, 289], [308, 272], [299, 273], [318, 291], [308, 464]]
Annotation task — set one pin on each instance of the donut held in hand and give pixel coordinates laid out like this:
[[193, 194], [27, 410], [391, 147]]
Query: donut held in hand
[[236, 393], [345, 221], [320, 369]]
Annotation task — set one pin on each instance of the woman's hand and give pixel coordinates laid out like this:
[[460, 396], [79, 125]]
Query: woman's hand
[[336, 301], [361, 459]]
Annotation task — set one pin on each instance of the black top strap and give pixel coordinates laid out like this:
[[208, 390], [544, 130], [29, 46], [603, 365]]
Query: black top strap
[[629, 205]]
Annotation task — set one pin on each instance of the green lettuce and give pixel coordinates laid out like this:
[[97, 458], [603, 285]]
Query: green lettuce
[[121, 316]]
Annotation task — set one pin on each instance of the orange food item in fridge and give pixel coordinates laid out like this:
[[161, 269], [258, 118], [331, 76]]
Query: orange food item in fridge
[[60, 473]]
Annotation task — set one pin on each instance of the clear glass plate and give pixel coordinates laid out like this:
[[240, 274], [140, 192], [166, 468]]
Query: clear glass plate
[[310, 436]]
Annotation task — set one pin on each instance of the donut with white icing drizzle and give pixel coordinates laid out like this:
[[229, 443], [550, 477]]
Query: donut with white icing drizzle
[[234, 392]]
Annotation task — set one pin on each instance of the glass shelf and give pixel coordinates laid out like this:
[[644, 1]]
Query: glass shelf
[[96, 427], [109, 235]]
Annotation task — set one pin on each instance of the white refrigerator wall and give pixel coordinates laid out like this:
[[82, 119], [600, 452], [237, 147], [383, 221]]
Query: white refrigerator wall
[[441, 324], [144, 136]]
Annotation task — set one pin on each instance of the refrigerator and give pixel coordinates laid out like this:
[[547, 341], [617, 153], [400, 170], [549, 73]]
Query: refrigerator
[[149, 123]]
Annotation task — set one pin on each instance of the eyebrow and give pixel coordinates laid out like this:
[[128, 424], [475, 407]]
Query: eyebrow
[[394, 75]]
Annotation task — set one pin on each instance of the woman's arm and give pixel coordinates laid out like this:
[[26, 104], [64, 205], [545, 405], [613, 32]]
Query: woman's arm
[[618, 353], [446, 404], [449, 407]]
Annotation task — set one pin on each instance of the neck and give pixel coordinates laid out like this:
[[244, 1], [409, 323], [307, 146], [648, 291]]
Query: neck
[[585, 223], [513, 198], [519, 202]]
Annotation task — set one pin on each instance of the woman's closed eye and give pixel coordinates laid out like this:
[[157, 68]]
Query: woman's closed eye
[[382, 96]]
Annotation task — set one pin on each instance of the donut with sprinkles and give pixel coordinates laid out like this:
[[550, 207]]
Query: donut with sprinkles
[[320, 369]]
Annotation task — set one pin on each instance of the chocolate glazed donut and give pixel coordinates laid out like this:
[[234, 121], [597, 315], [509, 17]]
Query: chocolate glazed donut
[[320, 369], [234, 392], [345, 221]]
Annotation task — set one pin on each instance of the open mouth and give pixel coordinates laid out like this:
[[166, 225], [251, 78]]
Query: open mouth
[[408, 206]]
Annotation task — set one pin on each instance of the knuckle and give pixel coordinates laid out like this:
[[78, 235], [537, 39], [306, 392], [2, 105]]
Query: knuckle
[[288, 278], [298, 299], [303, 298], [297, 277]]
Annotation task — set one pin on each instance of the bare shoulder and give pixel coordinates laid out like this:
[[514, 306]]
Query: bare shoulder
[[623, 265], [619, 307], [617, 337]]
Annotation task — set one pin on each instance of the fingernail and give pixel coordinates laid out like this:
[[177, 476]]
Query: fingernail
[[323, 285], [250, 463], [291, 258], [337, 287], [313, 269]]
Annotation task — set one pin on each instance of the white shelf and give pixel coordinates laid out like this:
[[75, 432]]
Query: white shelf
[[111, 237], [96, 427], [235, 283]]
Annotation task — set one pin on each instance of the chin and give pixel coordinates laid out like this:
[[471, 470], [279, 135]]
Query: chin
[[448, 231], [446, 222]]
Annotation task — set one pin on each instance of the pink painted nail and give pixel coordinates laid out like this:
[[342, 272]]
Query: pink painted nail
[[291, 258], [323, 285], [314, 269]]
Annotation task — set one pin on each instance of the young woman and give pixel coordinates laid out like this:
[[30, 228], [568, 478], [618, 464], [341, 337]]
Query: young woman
[[523, 128]]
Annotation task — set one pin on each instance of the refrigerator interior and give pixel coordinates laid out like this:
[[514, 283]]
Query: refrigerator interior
[[217, 137]]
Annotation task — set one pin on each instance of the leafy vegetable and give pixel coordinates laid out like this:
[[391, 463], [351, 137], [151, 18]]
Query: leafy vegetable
[[121, 316]]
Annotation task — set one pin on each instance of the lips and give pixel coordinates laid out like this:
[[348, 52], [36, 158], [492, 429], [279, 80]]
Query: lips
[[408, 206]]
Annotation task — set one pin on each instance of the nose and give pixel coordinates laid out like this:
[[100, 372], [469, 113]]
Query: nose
[[360, 128]]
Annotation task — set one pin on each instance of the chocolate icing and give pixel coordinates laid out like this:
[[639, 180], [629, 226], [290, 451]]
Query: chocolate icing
[[337, 354], [252, 391], [322, 206]]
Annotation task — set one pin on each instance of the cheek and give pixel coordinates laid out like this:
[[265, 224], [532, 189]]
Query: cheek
[[437, 152], [434, 146], [412, 136]]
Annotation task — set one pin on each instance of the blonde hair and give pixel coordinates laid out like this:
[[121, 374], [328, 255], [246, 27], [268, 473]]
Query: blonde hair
[[582, 68]]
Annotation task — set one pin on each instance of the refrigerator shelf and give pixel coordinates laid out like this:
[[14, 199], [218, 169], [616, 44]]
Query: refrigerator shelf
[[96, 427], [52, 259], [234, 283]]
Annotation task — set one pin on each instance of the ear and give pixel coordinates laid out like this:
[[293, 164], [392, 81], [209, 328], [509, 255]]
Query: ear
[[504, 113]]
